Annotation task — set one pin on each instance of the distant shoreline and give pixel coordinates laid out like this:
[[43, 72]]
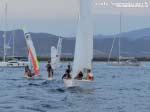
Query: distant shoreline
[[98, 59]]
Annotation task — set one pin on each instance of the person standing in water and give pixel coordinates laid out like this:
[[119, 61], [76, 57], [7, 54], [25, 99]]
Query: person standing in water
[[49, 70]]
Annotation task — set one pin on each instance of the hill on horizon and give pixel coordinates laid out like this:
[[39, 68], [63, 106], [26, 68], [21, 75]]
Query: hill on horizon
[[133, 43]]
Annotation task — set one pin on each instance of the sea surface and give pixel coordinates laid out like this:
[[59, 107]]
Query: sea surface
[[116, 89]]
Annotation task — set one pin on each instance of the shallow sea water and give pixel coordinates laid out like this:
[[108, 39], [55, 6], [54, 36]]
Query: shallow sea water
[[116, 89]]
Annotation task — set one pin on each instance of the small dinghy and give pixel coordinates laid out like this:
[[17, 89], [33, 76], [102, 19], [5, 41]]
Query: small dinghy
[[49, 79], [14, 61], [121, 60], [85, 84], [83, 48], [32, 57]]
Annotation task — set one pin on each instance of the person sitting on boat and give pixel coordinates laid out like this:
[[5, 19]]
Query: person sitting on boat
[[30, 74], [66, 75], [26, 70], [49, 70], [69, 67], [89, 75], [79, 76], [67, 72]]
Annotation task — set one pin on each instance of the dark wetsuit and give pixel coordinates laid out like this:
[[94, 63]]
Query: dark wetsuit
[[69, 68], [66, 76], [67, 73], [49, 70]]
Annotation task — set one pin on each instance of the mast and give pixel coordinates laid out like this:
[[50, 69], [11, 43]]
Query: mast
[[120, 36], [111, 49], [4, 35], [13, 42]]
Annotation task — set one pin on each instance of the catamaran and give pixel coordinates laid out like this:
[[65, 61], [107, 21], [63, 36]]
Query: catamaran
[[32, 55], [56, 55], [14, 62], [83, 48], [122, 61]]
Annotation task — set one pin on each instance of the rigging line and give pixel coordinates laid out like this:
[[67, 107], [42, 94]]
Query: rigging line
[[111, 49]]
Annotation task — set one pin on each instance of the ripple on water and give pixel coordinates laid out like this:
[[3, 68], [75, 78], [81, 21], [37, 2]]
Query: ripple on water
[[117, 89]]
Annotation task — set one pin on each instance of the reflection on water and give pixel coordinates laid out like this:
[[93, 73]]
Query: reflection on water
[[116, 89]]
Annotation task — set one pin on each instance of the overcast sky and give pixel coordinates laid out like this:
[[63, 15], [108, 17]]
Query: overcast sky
[[60, 16]]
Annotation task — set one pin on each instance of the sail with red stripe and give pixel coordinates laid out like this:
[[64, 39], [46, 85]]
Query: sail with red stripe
[[32, 53]]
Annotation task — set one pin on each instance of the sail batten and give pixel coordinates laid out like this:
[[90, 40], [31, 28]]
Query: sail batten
[[84, 39]]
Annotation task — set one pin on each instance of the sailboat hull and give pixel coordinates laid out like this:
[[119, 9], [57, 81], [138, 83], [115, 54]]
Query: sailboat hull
[[49, 79], [13, 64], [124, 64], [83, 47], [70, 83]]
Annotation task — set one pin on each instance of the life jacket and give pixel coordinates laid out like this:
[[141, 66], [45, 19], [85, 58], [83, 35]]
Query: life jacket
[[90, 76]]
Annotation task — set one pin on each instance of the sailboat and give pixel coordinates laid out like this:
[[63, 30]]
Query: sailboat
[[56, 54], [83, 47], [122, 61], [14, 62], [17, 61], [32, 54]]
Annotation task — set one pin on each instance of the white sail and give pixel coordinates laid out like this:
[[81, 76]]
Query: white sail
[[53, 57], [84, 39], [59, 47], [56, 54]]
